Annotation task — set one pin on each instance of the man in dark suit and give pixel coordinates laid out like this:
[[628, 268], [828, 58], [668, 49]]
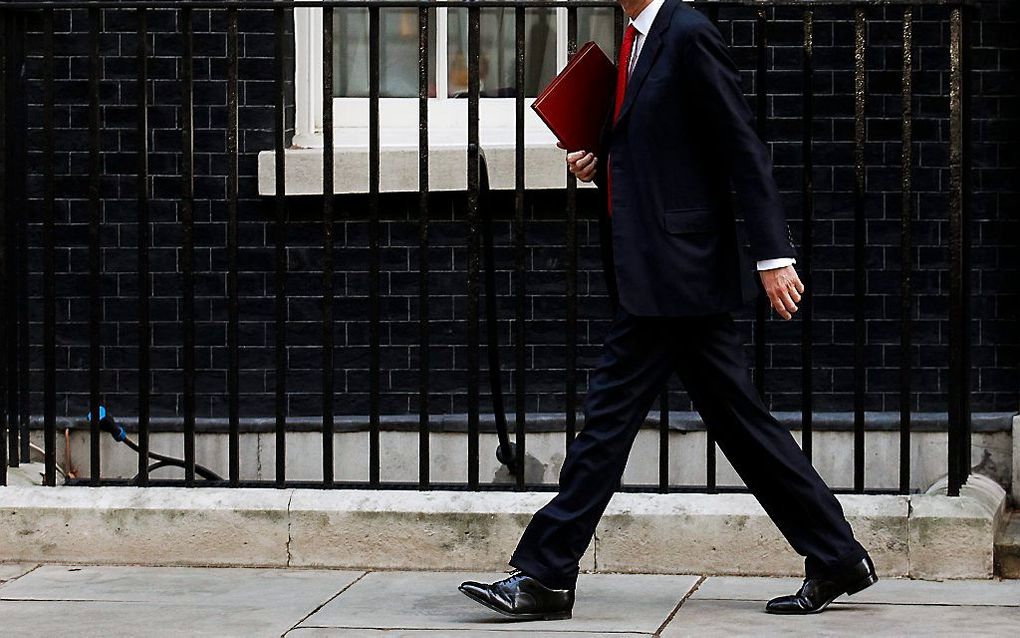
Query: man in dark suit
[[679, 138]]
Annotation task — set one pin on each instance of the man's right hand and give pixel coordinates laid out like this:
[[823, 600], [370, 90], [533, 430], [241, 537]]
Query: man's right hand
[[581, 164]]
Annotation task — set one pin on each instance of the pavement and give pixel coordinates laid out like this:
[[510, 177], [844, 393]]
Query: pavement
[[52, 600]]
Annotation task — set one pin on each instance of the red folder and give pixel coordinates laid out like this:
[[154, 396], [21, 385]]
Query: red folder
[[576, 102]]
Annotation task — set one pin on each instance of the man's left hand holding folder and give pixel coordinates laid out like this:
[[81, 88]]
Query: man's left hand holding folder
[[581, 163]]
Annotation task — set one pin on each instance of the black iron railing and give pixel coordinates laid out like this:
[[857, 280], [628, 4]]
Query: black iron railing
[[16, 363]]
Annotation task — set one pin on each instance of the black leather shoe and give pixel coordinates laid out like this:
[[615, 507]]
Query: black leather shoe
[[522, 597], [816, 593]]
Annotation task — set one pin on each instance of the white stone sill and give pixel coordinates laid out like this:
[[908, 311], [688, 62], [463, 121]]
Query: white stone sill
[[544, 163]]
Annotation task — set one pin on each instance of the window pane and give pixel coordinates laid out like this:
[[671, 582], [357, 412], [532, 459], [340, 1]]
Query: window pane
[[496, 64], [398, 52], [596, 23]]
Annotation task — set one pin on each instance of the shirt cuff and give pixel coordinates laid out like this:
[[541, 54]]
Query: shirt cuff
[[780, 262]]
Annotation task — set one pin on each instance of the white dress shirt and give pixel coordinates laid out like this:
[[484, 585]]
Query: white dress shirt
[[642, 23]]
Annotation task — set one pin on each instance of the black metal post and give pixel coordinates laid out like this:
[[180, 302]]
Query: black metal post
[[520, 283], [280, 227], [807, 237], [4, 294], [570, 352], [424, 458], [188, 248], [959, 383], [761, 101], [49, 261], [373, 240], [860, 238], [233, 326], [473, 184], [327, 247], [906, 247], [95, 247]]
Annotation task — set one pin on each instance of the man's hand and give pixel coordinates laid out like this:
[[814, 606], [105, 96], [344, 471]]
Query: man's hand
[[784, 289], [581, 164]]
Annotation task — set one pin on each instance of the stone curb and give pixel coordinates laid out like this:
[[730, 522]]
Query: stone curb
[[924, 536]]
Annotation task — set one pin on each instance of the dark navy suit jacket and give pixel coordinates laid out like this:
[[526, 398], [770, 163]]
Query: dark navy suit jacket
[[683, 145]]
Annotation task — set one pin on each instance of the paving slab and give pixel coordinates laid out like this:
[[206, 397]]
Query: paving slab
[[420, 600], [220, 587], [746, 618], [107, 619], [10, 571], [891, 591]]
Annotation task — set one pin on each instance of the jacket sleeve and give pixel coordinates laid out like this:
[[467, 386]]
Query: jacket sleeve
[[713, 82]]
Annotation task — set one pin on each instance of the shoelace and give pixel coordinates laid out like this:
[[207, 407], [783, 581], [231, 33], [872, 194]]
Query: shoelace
[[514, 575]]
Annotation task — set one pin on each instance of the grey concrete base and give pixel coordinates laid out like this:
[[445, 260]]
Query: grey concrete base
[[731, 534], [991, 454], [926, 536]]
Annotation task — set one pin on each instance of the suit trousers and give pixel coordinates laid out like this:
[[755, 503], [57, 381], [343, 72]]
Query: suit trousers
[[707, 352]]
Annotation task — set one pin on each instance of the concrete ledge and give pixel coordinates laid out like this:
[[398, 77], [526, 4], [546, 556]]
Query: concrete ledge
[[145, 526], [926, 536], [411, 530], [731, 534], [950, 537]]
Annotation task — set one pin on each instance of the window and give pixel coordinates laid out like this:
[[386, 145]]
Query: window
[[545, 54]]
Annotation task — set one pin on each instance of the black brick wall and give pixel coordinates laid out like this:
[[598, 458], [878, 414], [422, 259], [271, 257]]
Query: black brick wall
[[994, 228]]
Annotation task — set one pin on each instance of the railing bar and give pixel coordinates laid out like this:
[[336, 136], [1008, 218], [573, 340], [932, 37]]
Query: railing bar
[[761, 306], [21, 242], [807, 238], [571, 283], [519, 250], [473, 179], [664, 440], [95, 254], [520, 256], [188, 247], [712, 11], [144, 284], [233, 320], [906, 249], [373, 234], [958, 449], [280, 226], [327, 247], [966, 133], [860, 236], [424, 361], [49, 260], [5, 354]]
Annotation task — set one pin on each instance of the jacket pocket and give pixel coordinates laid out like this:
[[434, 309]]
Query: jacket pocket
[[679, 221]]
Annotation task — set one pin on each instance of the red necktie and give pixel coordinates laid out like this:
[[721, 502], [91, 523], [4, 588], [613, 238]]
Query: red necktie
[[621, 88]]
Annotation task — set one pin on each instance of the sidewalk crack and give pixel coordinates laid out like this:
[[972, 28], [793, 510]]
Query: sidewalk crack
[[289, 522], [676, 609], [326, 602]]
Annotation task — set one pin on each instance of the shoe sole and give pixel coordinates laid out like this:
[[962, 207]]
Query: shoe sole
[[859, 586], [564, 615]]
